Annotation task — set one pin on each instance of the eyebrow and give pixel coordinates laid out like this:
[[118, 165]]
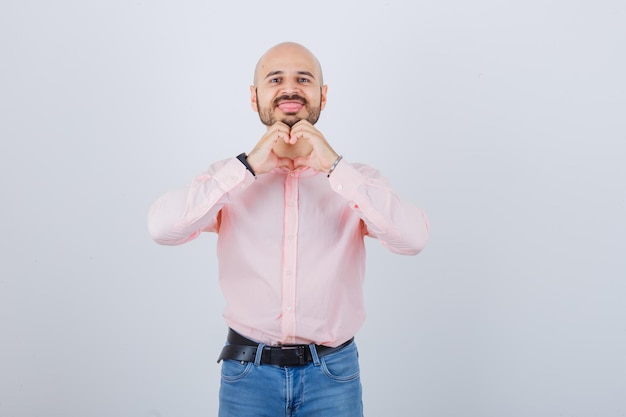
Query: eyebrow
[[273, 73]]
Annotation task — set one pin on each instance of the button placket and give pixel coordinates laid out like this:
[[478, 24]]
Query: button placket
[[290, 230]]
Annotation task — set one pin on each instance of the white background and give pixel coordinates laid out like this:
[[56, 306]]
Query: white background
[[504, 120]]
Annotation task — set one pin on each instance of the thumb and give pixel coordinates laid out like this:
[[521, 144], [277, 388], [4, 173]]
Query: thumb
[[285, 163], [301, 161]]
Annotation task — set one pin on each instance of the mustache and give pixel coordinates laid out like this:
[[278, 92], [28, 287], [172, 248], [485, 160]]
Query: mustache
[[292, 97]]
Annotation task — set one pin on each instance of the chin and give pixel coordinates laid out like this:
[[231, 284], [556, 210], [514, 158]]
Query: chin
[[291, 120]]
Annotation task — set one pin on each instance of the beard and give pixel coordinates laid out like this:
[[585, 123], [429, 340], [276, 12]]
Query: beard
[[266, 114]]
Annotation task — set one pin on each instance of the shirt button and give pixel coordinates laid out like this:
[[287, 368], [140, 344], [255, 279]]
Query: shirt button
[[289, 308], [340, 187], [290, 203]]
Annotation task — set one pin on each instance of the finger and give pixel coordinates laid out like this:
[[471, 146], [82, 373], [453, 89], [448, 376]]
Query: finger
[[279, 135], [299, 133], [275, 134], [282, 131], [294, 137], [305, 131], [302, 123]]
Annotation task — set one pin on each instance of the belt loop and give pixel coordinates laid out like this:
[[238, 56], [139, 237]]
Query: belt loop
[[316, 359], [259, 353]]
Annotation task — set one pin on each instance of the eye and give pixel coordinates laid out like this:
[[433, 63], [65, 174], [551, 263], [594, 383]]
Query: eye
[[304, 80], [274, 80]]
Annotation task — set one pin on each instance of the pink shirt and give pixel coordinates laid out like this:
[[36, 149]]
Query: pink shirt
[[291, 244]]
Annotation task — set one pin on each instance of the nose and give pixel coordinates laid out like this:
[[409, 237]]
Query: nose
[[290, 86]]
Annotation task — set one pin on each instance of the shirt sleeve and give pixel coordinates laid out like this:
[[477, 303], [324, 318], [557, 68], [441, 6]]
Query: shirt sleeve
[[397, 224], [181, 215]]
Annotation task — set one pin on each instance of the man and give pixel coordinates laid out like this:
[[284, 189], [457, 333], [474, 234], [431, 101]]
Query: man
[[291, 217]]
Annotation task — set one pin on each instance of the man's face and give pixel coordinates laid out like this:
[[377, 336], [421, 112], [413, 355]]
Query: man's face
[[288, 87]]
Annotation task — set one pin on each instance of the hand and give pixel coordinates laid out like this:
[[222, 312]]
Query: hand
[[322, 156], [263, 159]]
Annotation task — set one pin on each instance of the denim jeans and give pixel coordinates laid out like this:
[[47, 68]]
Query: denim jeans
[[327, 387]]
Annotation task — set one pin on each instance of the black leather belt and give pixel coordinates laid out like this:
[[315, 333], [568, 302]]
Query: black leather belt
[[243, 349]]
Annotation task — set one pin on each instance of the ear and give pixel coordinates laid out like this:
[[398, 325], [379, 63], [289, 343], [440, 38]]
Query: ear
[[324, 90], [253, 100]]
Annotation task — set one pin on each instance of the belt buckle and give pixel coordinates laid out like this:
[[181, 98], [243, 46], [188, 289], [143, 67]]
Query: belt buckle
[[299, 351]]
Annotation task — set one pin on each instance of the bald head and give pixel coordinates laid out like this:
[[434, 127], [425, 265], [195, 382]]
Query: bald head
[[287, 54], [288, 86]]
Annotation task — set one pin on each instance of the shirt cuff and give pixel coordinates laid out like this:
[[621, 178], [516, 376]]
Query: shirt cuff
[[233, 175], [346, 179]]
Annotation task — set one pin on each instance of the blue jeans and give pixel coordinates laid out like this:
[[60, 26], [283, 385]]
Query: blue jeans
[[327, 387]]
